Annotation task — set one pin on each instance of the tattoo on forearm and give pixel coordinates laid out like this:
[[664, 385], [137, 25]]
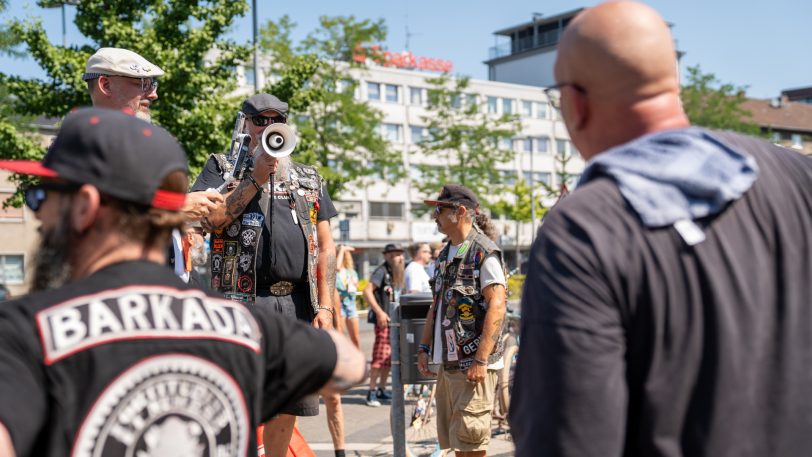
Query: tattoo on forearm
[[237, 202], [331, 272], [497, 332]]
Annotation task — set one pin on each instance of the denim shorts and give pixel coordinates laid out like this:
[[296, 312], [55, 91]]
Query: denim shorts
[[348, 309]]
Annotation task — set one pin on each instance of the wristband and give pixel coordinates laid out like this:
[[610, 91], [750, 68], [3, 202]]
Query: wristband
[[254, 182], [480, 361], [424, 348], [328, 309]]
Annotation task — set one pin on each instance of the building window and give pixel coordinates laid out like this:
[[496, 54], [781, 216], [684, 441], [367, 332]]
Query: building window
[[386, 210], [527, 108], [11, 269], [470, 100], [418, 134], [416, 96], [373, 91], [456, 101], [561, 147], [776, 137], [537, 177], [493, 105], [541, 110], [507, 106], [797, 142], [391, 93], [249, 75], [524, 144], [11, 213], [392, 132], [508, 177], [543, 145], [506, 143]]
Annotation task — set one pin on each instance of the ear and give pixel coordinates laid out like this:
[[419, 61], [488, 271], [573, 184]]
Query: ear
[[85, 208], [103, 85], [578, 109]]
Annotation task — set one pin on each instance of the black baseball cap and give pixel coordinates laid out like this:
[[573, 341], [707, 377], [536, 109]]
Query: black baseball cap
[[392, 247], [455, 195], [259, 103], [119, 154]]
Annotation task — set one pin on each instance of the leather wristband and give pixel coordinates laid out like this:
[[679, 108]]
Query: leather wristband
[[328, 309], [425, 348], [480, 361]]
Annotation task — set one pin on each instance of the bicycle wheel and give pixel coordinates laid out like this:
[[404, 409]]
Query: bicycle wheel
[[506, 378]]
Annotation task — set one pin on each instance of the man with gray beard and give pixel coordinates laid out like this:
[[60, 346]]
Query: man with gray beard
[[271, 244]]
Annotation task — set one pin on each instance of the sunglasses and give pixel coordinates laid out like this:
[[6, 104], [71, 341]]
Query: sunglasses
[[439, 208], [262, 121], [35, 195]]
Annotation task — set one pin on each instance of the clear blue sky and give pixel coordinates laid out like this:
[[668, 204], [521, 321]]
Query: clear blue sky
[[763, 45]]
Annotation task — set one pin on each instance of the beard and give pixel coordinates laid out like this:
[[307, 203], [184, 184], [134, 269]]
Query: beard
[[52, 261], [396, 265], [198, 254], [144, 115], [282, 168]]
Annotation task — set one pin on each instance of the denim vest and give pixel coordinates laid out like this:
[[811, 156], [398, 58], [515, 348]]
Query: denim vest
[[459, 302], [233, 249]]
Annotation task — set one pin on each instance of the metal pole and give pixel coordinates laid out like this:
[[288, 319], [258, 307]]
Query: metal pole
[[64, 33], [398, 410], [256, 50]]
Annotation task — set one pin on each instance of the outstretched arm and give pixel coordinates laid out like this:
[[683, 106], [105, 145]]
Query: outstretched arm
[[351, 366]]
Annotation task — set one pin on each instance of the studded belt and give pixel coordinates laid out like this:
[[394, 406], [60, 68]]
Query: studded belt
[[282, 288]]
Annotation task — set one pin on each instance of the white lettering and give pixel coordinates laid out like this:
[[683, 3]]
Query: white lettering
[[220, 317], [193, 315], [161, 307], [243, 323], [133, 309], [67, 327], [100, 317]]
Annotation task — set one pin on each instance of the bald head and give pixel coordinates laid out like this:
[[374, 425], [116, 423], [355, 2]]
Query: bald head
[[621, 55]]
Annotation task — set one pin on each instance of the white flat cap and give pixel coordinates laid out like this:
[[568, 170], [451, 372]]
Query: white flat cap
[[119, 62]]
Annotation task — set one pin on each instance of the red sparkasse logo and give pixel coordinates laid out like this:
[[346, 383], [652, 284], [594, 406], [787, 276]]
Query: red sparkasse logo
[[403, 59]]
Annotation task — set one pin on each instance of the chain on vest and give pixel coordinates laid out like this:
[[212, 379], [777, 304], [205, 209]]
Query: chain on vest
[[460, 305], [234, 248]]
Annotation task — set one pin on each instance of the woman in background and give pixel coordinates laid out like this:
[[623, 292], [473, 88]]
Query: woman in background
[[347, 286]]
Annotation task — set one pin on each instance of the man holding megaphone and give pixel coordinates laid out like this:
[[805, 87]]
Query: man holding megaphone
[[271, 242]]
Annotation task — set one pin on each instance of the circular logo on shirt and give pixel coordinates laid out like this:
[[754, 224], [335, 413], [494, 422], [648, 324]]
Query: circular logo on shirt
[[233, 229], [173, 404]]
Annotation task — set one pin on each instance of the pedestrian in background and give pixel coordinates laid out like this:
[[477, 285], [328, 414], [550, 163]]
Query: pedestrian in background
[[465, 323], [416, 277], [381, 293], [667, 309], [347, 286]]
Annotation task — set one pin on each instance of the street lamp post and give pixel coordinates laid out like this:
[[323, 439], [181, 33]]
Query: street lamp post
[[256, 50], [62, 5]]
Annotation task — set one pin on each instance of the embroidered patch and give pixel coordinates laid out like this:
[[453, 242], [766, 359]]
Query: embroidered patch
[[451, 345], [231, 248], [245, 261], [446, 323], [228, 275], [248, 237], [233, 229], [216, 263], [245, 283], [217, 245], [253, 219]]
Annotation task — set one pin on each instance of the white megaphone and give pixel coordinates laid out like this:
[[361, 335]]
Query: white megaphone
[[278, 140]]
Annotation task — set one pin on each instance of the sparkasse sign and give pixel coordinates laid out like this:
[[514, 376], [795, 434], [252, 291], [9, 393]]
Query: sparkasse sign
[[404, 59]]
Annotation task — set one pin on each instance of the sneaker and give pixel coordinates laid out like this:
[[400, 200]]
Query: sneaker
[[372, 399], [384, 395]]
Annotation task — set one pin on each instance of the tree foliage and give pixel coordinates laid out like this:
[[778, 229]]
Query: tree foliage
[[710, 103], [194, 102], [463, 144], [337, 133]]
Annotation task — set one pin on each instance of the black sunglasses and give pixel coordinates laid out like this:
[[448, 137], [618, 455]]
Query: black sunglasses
[[262, 121], [35, 195]]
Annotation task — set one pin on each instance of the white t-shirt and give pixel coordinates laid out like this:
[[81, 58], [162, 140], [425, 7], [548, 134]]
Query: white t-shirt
[[416, 278], [177, 245], [489, 273]]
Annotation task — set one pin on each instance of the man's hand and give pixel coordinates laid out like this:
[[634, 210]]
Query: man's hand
[[201, 204], [476, 373], [264, 167], [423, 365], [383, 319], [323, 320]]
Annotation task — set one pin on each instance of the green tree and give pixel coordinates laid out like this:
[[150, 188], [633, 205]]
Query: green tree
[[710, 103], [464, 144], [519, 208], [337, 133], [194, 102]]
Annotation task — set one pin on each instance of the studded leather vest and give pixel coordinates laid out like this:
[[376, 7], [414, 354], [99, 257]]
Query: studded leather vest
[[234, 248], [459, 302]]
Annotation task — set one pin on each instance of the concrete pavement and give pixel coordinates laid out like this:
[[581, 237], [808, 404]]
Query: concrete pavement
[[367, 431]]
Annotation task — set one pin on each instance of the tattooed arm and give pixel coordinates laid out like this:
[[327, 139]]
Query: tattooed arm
[[495, 296], [231, 208], [351, 366], [326, 274]]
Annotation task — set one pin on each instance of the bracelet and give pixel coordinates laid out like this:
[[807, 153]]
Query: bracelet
[[254, 182], [480, 361], [328, 309], [424, 348]]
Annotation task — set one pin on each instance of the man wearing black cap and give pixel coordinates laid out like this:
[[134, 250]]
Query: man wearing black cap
[[381, 292], [465, 323], [271, 242], [110, 355]]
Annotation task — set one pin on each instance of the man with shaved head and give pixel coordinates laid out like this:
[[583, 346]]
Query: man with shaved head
[[667, 304]]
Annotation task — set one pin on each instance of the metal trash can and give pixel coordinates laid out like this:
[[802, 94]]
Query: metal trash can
[[412, 313]]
